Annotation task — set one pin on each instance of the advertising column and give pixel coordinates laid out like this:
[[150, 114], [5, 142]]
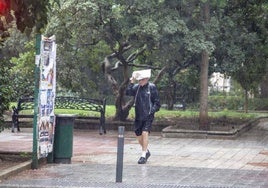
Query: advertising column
[[47, 94]]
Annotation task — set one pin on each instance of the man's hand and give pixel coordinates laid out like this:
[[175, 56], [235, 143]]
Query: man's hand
[[150, 117], [132, 79]]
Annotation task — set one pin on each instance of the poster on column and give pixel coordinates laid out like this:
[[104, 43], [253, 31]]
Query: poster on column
[[47, 94]]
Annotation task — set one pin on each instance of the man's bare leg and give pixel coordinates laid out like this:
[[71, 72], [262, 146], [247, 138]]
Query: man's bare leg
[[144, 141]]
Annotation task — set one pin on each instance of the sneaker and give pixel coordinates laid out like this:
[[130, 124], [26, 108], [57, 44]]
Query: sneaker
[[142, 160], [148, 154]]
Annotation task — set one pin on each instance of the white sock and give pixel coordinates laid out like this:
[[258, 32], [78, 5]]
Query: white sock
[[143, 154]]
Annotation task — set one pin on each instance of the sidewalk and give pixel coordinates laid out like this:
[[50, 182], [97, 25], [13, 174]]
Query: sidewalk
[[175, 162]]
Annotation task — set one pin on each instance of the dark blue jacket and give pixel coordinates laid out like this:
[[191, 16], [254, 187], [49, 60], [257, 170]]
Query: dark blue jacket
[[146, 100]]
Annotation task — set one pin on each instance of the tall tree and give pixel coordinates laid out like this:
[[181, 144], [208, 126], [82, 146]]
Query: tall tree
[[242, 47], [130, 31], [203, 111], [203, 29]]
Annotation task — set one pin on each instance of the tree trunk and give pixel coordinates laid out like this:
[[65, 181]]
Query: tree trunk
[[170, 93], [246, 102], [264, 87], [122, 108], [121, 113], [203, 113], [170, 97]]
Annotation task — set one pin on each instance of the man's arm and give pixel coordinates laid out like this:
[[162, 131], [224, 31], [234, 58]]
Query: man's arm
[[155, 99], [131, 88]]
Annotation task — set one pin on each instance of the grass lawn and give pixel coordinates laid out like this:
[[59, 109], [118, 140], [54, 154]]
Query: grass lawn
[[160, 115]]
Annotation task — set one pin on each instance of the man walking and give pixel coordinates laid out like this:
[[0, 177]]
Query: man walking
[[146, 102]]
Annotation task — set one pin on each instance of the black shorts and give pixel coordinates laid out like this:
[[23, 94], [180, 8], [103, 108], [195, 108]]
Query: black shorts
[[140, 126]]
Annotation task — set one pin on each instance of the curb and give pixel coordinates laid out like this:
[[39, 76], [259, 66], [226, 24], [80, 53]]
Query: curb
[[94, 125], [172, 132], [15, 169]]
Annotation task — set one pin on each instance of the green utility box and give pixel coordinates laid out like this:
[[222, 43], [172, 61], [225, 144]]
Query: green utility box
[[63, 139]]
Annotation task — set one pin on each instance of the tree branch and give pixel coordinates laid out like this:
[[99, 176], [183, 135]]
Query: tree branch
[[159, 75]]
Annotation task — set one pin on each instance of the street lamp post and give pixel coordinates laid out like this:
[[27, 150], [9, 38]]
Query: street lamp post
[[36, 95]]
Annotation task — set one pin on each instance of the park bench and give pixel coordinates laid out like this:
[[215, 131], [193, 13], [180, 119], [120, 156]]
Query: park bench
[[85, 104]]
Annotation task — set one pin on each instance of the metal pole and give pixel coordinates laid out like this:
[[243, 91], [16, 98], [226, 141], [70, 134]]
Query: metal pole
[[120, 154], [36, 93]]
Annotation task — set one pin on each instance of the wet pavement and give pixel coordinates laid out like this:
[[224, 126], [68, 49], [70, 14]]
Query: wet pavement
[[174, 162]]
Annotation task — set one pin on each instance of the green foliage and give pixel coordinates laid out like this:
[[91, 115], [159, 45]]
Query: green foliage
[[26, 15], [5, 90], [186, 86], [25, 155], [30, 14], [258, 104], [253, 68], [22, 72], [166, 114], [196, 42], [240, 48], [221, 102], [79, 47], [218, 102]]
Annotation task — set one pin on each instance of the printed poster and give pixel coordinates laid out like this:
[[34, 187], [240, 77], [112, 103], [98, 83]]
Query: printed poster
[[47, 94]]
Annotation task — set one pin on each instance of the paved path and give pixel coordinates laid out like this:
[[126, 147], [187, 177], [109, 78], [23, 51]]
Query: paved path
[[175, 162]]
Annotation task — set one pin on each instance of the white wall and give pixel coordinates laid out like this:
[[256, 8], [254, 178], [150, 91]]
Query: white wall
[[219, 82]]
